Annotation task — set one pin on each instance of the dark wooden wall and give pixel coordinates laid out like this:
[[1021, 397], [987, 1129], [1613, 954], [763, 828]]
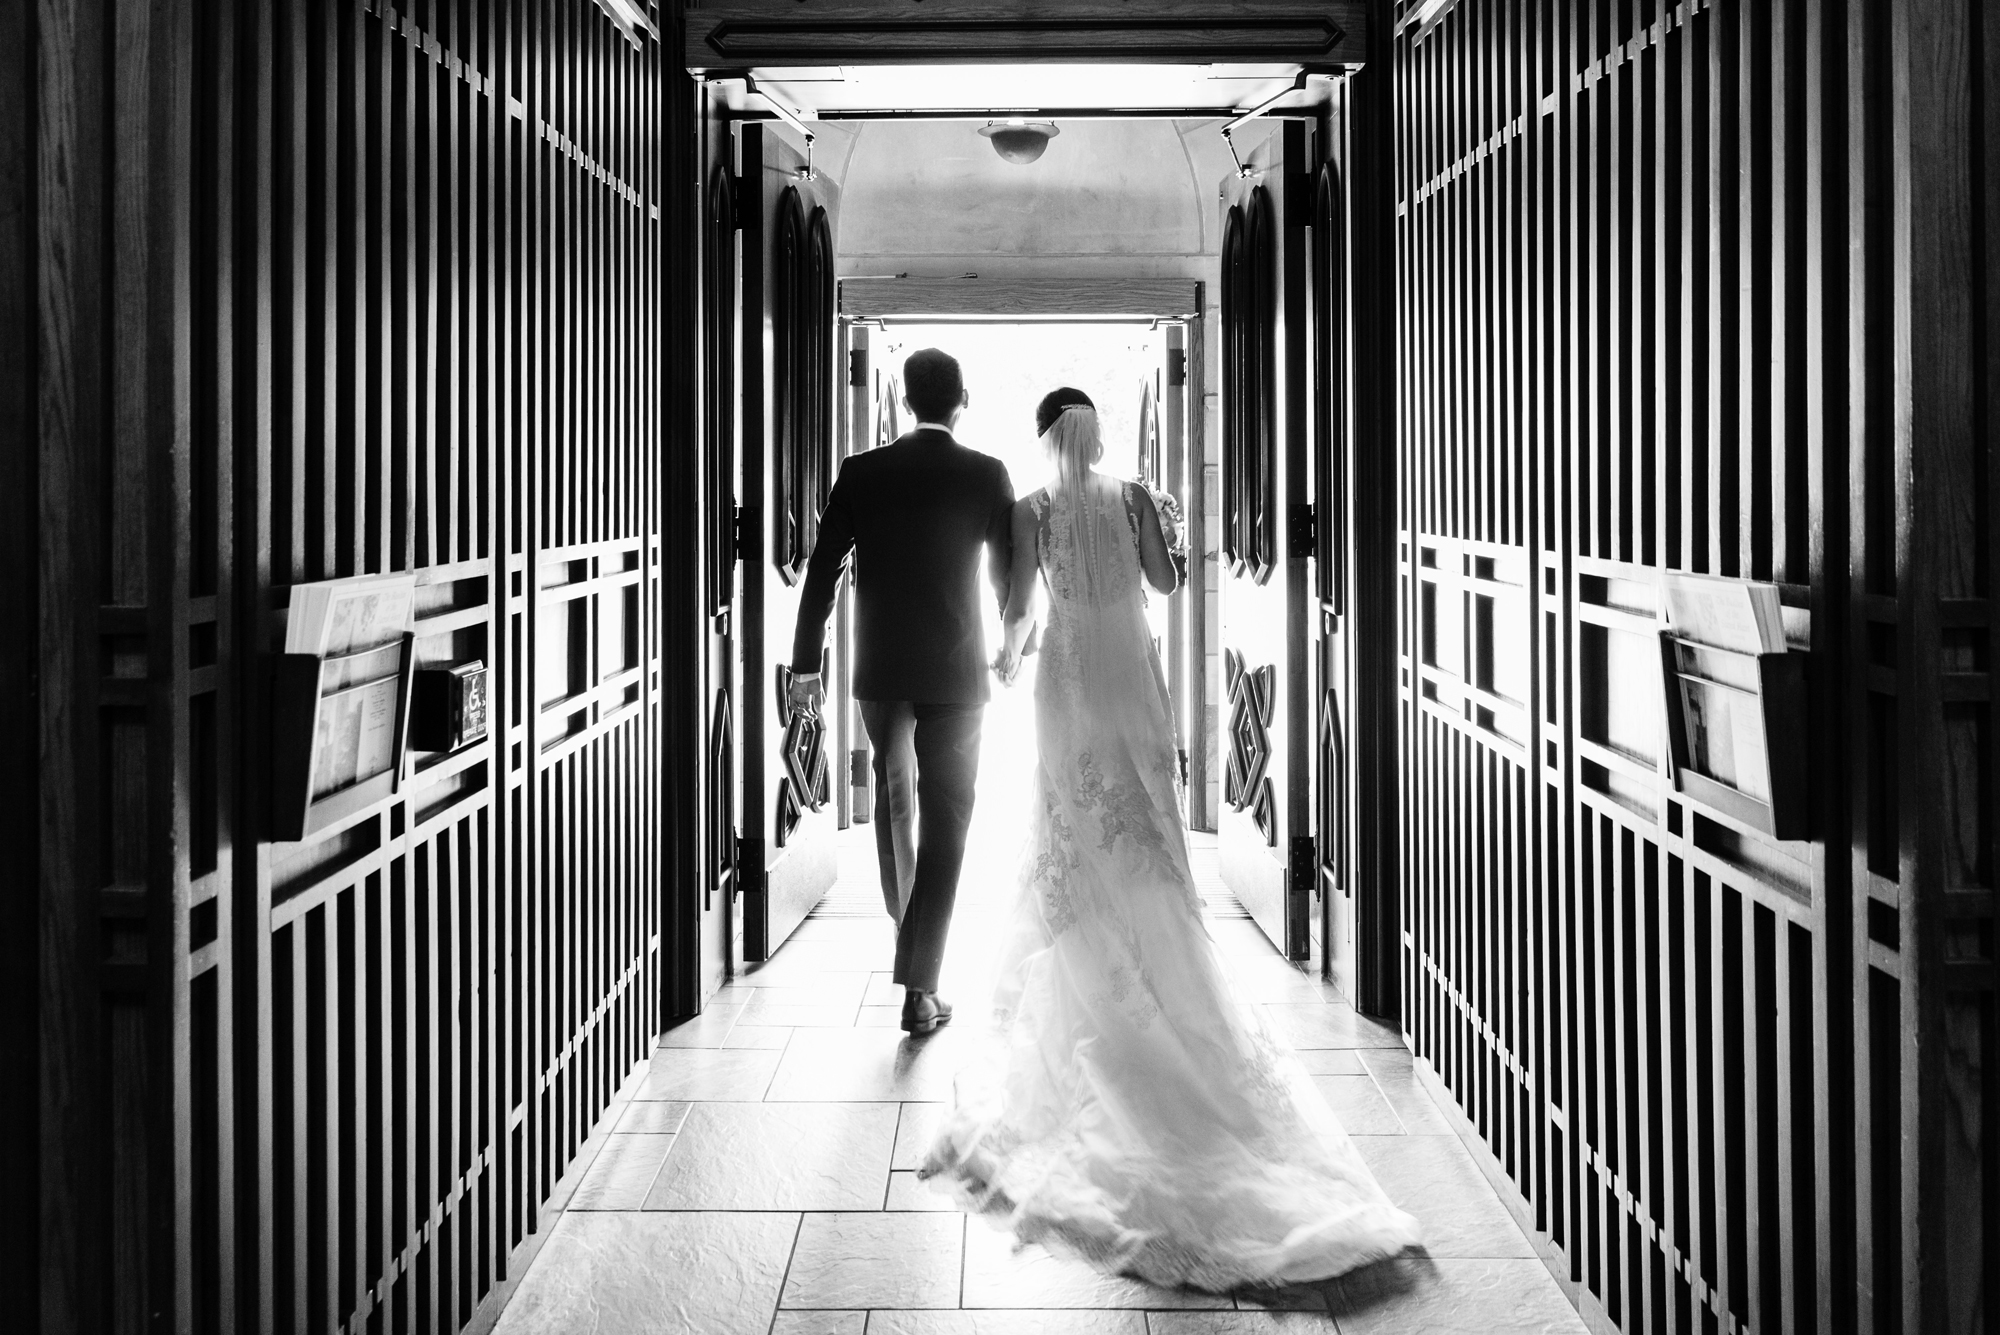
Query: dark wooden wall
[[325, 288], [1705, 287]]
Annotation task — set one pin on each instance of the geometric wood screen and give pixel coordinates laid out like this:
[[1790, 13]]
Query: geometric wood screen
[[337, 289], [1700, 288]]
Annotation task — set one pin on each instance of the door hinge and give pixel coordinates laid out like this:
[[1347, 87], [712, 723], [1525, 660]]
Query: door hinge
[[1177, 366], [749, 865], [1304, 865], [857, 368], [739, 534], [1302, 532]]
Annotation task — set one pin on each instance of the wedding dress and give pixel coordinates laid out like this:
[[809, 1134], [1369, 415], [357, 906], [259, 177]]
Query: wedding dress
[[1137, 1113]]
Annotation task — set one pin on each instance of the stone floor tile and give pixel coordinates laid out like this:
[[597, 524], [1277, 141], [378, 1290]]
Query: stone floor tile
[[1240, 934], [866, 943], [777, 1156], [906, 1192], [915, 1132], [1447, 1296], [851, 1065], [1418, 1111], [1072, 1322], [1272, 979], [623, 1172], [1329, 1061], [1240, 1323], [818, 1016], [1435, 1179], [641, 1274], [1329, 1024], [820, 1323], [813, 989], [1281, 1298], [800, 961], [708, 1073], [706, 1030], [645, 1115], [997, 1274], [1359, 1105], [806, 1098], [876, 1260]]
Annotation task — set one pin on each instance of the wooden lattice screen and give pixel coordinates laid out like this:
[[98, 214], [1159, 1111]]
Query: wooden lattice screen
[[333, 287], [1705, 287]]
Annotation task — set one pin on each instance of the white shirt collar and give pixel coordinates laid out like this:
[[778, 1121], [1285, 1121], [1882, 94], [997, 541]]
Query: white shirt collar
[[933, 426]]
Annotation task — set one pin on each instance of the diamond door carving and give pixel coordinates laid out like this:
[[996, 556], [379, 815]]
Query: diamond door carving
[[1246, 785]]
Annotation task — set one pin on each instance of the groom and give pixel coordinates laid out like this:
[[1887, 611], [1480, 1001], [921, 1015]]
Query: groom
[[914, 514]]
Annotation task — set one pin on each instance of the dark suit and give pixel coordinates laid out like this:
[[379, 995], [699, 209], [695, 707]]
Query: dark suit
[[913, 516]]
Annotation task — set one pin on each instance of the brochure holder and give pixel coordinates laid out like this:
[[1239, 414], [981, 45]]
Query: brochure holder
[[1736, 727], [299, 713]]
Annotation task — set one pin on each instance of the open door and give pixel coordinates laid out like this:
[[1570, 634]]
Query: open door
[[719, 349], [789, 213], [1333, 689], [1268, 859]]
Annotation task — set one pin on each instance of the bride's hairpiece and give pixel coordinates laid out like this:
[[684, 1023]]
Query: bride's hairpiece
[[1057, 402]]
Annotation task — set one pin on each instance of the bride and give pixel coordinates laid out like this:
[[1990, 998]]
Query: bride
[[1137, 1113]]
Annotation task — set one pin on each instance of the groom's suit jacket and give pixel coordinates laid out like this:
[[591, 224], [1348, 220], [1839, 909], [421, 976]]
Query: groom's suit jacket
[[912, 516]]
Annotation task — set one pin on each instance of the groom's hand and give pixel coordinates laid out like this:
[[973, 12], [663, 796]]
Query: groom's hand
[[805, 695]]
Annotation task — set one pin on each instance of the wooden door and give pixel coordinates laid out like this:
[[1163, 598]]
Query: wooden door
[[721, 480], [789, 411], [1173, 431], [1333, 660], [1265, 823]]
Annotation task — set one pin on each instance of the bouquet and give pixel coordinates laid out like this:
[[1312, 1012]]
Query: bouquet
[[1173, 527]]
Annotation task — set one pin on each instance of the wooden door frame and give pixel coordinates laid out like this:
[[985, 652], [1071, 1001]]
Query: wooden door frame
[[739, 35], [1372, 540]]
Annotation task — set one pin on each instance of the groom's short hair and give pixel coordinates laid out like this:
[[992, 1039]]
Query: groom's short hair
[[933, 384]]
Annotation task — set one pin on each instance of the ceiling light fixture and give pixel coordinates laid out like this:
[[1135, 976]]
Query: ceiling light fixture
[[1019, 141]]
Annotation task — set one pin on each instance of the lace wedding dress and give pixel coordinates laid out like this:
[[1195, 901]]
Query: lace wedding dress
[[1136, 1113]]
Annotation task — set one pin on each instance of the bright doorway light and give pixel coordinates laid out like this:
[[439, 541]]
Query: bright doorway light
[[1008, 368]]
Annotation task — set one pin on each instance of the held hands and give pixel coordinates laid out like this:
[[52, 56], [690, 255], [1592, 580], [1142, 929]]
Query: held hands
[[806, 695], [1006, 666]]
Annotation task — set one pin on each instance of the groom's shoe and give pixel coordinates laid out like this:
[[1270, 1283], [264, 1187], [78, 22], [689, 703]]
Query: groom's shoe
[[924, 1011]]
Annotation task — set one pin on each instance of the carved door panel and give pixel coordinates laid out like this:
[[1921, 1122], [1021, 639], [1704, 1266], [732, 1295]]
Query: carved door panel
[[1265, 823], [789, 357]]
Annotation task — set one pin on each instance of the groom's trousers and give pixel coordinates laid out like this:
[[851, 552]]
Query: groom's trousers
[[926, 769]]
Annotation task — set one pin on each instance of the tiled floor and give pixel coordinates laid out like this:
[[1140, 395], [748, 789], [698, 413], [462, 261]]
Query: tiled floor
[[760, 1179]]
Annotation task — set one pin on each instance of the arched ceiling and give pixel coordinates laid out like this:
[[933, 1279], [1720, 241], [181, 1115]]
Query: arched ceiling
[[1103, 188]]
